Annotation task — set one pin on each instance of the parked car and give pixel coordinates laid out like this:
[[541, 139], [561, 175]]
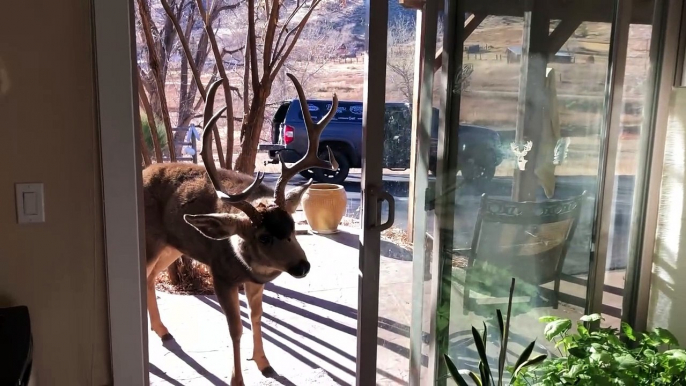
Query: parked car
[[479, 150]]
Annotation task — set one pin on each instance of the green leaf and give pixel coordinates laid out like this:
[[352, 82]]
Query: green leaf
[[583, 331], [573, 372], [485, 334], [628, 331], [481, 349], [548, 319], [475, 378], [601, 357], [453, 371], [678, 354], [530, 362], [525, 354], [501, 325], [591, 318], [627, 362], [578, 352], [666, 337], [556, 328], [484, 374]]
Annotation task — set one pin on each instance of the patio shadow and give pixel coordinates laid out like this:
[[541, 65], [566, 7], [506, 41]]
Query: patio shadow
[[176, 349]]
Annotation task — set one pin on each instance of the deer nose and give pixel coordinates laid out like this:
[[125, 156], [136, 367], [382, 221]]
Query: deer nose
[[300, 270]]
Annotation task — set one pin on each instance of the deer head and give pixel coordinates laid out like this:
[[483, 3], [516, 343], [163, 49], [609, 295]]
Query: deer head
[[263, 236]]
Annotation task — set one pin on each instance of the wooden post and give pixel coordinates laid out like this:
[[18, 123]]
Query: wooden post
[[470, 26], [530, 109]]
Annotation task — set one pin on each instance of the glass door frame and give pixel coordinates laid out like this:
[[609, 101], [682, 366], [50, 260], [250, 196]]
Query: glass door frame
[[374, 101], [663, 61]]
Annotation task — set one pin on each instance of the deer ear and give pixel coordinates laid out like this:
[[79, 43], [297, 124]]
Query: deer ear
[[216, 226], [294, 196]]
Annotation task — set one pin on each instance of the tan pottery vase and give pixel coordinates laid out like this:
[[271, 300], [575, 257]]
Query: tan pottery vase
[[324, 206]]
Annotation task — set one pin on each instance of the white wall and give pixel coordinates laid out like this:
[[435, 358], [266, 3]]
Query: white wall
[[668, 285], [49, 134]]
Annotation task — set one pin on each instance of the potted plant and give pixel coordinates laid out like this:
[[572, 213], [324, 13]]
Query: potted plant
[[324, 206], [486, 369]]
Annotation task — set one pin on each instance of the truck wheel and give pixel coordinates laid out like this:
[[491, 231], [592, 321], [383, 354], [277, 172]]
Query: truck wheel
[[333, 177], [479, 171]]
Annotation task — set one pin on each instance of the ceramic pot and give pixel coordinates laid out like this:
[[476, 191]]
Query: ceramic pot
[[324, 206]]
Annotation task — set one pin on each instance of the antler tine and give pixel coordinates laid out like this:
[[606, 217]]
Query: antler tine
[[314, 132], [237, 200]]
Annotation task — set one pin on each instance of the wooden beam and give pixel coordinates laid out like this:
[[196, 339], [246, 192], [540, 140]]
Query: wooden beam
[[530, 111], [561, 34], [585, 10], [469, 27]]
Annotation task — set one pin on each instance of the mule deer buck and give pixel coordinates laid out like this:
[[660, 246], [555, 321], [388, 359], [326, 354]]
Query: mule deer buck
[[244, 238]]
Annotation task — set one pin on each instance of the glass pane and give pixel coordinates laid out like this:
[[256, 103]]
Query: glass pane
[[395, 278], [531, 95], [633, 120]]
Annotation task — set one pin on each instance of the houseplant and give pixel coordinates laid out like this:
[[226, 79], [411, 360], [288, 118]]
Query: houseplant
[[603, 356], [486, 374], [324, 206]]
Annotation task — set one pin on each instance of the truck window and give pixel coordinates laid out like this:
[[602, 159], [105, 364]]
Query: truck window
[[346, 112]]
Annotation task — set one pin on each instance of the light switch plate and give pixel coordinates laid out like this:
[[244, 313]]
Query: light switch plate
[[29, 199]]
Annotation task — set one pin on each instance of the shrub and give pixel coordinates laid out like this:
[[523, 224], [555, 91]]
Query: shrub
[[147, 137]]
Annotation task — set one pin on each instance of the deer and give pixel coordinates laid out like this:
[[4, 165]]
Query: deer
[[245, 239]]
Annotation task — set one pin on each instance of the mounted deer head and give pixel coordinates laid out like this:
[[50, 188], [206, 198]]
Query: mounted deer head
[[263, 236]]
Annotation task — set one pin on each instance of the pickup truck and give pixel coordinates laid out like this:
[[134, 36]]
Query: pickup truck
[[479, 151]]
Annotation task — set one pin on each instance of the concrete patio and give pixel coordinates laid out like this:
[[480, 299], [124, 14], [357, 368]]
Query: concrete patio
[[309, 325]]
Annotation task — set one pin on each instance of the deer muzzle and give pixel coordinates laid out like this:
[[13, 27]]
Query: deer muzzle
[[300, 270]]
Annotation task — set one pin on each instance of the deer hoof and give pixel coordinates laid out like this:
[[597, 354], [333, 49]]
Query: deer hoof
[[167, 337], [269, 372]]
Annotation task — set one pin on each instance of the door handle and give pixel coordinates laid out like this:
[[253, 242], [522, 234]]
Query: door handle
[[385, 196]]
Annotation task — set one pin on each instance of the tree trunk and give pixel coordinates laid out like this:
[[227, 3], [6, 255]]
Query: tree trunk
[[250, 131]]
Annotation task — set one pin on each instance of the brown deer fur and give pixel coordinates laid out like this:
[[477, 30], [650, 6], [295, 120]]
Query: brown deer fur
[[246, 238]]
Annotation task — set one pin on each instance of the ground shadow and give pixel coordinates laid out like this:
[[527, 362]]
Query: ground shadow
[[162, 375], [175, 348], [212, 302]]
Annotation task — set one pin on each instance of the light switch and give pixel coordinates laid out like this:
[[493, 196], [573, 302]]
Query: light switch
[[30, 206], [30, 203]]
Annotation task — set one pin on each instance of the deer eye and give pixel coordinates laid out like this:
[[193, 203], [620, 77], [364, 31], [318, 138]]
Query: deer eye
[[265, 239]]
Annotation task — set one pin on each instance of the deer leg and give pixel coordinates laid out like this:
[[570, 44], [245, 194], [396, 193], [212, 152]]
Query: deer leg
[[253, 292], [165, 257], [155, 320], [228, 299]]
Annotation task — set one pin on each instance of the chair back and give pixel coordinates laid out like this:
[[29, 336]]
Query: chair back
[[529, 240]]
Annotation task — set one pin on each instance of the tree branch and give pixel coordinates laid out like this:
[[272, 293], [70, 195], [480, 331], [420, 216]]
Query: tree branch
[[252, 43], [226, 51], [272, 22], [186, 48], [284, 28], [154, 63], [225, 85], [227, 7], [299, 29]]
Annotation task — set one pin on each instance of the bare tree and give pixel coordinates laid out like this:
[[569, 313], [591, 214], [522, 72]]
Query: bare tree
[[400, 62]]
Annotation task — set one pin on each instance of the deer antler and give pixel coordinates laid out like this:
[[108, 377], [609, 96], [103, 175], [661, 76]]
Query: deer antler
[[310, 160], [236, 200]]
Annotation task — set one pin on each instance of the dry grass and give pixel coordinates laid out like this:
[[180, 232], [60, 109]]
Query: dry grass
[[199, 284]]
